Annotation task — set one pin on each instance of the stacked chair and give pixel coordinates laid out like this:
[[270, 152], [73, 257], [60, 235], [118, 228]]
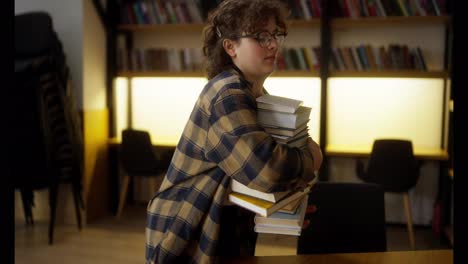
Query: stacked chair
[[46, 146]]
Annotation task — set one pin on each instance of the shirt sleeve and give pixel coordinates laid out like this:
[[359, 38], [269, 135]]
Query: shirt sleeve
[[244, 151]]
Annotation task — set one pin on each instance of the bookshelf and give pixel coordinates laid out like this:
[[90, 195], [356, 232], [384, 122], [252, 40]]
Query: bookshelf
[[343, 23], [289, 73], [332, 23], [382, 31], [162, 28], [134, 30], [328, 31]]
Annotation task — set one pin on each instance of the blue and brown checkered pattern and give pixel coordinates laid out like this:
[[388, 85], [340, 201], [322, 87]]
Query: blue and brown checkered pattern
[[221, 140]]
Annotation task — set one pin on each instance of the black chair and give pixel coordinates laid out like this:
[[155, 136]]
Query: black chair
[[46, 142], [392, 165], [350, 218], [137, 159]]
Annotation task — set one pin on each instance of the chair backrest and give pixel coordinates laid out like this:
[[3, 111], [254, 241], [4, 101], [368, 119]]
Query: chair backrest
[[350, 217], [392, 164], [47, 133], [137, 155], [34, 34]]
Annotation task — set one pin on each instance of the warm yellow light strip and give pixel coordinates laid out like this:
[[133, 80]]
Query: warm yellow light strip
[[120, 103], [163, 105], [363, 109]]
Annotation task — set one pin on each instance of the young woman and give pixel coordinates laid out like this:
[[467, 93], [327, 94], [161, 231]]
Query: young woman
[[189, 219]]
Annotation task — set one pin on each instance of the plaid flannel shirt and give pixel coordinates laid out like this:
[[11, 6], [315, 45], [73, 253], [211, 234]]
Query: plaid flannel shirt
[[222, 139]]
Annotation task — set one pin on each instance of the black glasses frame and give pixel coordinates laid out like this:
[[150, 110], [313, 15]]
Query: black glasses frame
[[265, 41]]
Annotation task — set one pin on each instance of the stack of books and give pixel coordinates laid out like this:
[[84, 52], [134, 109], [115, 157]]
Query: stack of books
[[276, 213], [283, 118], [282, 222], [265, 204], [286, 120]]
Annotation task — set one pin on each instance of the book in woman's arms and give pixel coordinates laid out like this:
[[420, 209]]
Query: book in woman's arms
[[299, 142], [291, 208], [271, 197], [284, 120], [285, 220], [278, 103], [266, 208], [280, 223], [292, 231], [279, 131], [286, 139]]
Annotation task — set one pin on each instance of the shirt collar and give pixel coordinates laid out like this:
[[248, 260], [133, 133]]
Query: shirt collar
[[235, 70]]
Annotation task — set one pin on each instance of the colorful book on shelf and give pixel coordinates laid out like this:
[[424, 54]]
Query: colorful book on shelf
[[278, 103], [266, 208], [283, 219]]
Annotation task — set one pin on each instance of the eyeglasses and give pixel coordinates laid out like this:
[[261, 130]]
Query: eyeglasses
[[264, 38]]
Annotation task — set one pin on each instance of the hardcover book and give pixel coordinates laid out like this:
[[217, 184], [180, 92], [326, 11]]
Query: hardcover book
[[282, 219], [266, 208], [287, 140], [279, 131], [243, 189], [293, 231], [291, 208], [278, 103], [285, 120]]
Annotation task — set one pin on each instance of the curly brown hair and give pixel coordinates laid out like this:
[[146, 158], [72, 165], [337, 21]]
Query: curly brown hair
[[229, 20]]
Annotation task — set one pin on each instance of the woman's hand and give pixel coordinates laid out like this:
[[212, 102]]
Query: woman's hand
[[316, 152]]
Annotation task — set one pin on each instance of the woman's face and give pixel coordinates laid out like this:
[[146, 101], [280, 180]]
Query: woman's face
[[254, 60]]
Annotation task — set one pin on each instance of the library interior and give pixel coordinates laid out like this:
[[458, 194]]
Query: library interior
[[110, 85]]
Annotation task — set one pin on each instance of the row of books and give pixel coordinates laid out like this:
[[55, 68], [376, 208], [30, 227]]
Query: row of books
[[366, 57], [383, 8], [305, 9], [190, 11], [160, 59], [195, 11], [191, 59], [298, 58], [278, 212], [358, 58], [161, 12]]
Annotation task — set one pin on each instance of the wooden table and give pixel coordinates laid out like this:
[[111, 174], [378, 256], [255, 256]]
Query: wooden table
[[400, 257]]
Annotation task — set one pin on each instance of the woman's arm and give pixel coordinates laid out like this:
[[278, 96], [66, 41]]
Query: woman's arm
[[244, 151]]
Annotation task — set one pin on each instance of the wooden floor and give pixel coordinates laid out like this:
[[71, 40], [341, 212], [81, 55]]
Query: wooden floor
[[105, 241], [122, 241]]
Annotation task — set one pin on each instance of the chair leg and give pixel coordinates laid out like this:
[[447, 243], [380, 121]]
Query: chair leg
[[27, 204], [77, 200], [409, 220], [53, 192], [123, 194]]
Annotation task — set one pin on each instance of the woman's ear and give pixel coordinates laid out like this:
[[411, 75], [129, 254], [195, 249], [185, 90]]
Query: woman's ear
[[229, 47]]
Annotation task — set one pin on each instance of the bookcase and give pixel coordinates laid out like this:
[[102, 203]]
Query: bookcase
[[352, 105]]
